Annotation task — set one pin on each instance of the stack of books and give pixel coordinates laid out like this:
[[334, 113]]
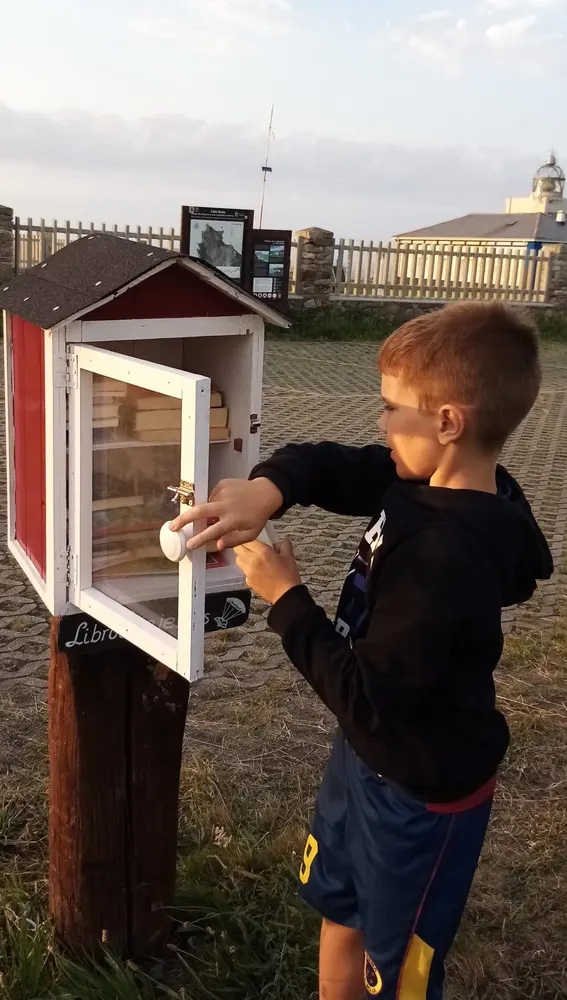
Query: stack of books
[[125, 538], [108, 396], [134, 550], [158, 418], [146, 415], [117, 548], [218, 418]]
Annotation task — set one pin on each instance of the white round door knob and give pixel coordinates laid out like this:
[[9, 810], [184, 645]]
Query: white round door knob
[[174, 543]]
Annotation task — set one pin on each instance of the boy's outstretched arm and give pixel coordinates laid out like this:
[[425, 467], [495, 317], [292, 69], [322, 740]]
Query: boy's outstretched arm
[[335, 477]]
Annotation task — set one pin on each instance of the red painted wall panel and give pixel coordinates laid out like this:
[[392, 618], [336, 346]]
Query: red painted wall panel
[[29, 438], [169, 294]]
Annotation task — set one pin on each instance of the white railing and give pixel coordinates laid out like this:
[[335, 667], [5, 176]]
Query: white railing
[[436, 271], [364, 270], [34, 242]]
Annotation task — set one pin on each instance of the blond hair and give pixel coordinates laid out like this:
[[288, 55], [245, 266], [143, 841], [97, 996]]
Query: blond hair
[[485, 356]]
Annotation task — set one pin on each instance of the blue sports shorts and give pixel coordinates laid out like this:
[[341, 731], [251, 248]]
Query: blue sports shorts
[[399, 870]]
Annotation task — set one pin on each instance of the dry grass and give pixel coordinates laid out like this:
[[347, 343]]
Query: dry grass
[[252, 765]]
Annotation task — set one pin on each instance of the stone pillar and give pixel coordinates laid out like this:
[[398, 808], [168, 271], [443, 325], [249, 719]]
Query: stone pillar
[[315, 277], [557, 289], [6, 242]]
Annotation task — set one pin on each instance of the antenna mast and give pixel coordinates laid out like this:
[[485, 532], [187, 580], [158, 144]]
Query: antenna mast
[[266, 169]]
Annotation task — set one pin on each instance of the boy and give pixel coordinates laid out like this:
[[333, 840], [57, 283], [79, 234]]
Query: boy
[[407, 666]]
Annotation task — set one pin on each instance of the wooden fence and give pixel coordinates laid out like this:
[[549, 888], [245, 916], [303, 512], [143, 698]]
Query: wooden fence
[[360, 270], [435, 271], [34, 242]]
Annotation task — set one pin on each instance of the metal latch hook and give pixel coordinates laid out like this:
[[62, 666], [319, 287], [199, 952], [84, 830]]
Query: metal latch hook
[[184, 493]]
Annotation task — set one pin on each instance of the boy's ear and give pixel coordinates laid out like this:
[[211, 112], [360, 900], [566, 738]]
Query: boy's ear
[[451, 422]]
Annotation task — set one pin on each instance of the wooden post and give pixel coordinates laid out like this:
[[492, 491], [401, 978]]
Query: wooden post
[[8, 257], [116, 722]]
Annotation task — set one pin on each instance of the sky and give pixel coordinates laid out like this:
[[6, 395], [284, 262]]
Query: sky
[[388, 115]]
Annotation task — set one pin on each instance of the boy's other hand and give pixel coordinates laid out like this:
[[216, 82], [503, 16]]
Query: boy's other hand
[[240, 509], [270, 572]]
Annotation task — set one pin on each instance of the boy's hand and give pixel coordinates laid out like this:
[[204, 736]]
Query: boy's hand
[[240, 508], [270, 572]]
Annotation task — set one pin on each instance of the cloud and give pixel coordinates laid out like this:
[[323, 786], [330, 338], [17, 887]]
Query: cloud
[[444, 41], [258, 15], [104, 167], [502, 4], [166, 29], [163, 28], [518, 32], [438, 42], [515, 4], [511, 33], [214, 24], [433, 15]]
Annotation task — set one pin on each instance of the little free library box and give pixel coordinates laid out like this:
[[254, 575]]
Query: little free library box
[[133, 379]]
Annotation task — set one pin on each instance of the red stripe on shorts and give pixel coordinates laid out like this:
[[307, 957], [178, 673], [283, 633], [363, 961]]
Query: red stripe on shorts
[[463, 805]]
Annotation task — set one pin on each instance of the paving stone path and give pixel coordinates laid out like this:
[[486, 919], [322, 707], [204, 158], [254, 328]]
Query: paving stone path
[[316, 392]]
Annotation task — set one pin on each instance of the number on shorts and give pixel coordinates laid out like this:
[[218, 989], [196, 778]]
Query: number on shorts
[[309, 855]]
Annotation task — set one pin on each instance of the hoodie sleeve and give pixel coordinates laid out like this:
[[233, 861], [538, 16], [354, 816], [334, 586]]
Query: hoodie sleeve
[[335, 477], [433, 597]]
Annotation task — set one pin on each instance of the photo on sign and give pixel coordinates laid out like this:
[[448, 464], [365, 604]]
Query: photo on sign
[[219, 243], [262, 256], [276, 270], [263, 285], [277, 253]]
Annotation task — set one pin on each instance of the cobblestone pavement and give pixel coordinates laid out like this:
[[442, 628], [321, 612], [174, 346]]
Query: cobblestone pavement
[[315, 392]]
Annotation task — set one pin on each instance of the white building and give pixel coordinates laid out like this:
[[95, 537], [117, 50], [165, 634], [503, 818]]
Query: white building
[[531, 221], [547, 197]]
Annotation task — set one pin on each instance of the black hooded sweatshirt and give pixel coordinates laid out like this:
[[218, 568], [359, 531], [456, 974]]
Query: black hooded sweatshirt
[[407, 666]]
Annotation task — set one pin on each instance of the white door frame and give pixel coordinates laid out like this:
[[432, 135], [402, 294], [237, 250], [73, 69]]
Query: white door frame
[[183, 654], [98, 331]]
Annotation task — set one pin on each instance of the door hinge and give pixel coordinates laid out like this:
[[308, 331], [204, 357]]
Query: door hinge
[[71, 567], [255, 423], [71, 372]]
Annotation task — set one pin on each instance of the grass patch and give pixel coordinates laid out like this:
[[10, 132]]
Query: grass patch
[[336, 323], [26, 964], [372, 324], [553, 327], [252, 764]]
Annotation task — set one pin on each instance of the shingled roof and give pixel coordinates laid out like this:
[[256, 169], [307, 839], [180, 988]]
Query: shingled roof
[[78, 276], [530, 226], [88, 271]]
